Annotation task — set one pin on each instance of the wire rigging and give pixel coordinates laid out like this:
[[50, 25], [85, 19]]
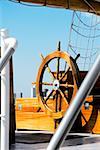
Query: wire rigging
[[84, 27], [97, 23], [78, 29], [86, 36], [93, 41], [82, 56], [83, 37], [88, 43]]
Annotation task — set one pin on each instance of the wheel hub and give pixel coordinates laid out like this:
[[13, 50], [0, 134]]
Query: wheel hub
[[56, 84]]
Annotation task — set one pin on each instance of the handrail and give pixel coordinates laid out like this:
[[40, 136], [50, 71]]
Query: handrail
[[7, 49], [74, 108], [6, 58]]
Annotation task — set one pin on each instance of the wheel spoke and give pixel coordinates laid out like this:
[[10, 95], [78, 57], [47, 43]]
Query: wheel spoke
[[70, 85], [46, 83], [48, 96], [58, 65], [54, 93], [83, 117], [48, 68], [63, 95], [56, 106], [65, 66], [60, 102], [33, 83], [67, 85], [65, 73]]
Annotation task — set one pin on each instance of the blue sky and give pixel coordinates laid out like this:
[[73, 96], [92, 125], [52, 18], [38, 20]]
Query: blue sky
[[38, 30]]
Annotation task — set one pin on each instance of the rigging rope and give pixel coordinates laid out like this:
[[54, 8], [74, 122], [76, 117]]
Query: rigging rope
[[84, 28], [72, 45], [71, 30], [80, 55], [77, 29], [93, 43], [88, 43], [87, 24], [96, 36], [85, 35]]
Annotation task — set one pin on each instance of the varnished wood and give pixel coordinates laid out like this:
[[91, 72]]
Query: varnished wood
[[45, 63], [27, 116]]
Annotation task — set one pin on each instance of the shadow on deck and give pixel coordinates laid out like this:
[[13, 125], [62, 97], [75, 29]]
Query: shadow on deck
[[39, 141]]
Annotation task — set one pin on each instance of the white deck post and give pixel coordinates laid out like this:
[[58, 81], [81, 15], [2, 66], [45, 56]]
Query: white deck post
[[4, 97], [6, 43]]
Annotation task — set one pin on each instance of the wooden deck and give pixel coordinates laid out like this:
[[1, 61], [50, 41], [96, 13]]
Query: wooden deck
[[27, 116]]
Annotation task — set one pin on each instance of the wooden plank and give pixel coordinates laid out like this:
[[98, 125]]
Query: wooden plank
[[44, 120]]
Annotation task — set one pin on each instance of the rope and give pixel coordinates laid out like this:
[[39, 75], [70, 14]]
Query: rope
[[88, 31], [92, 44], [85, 35], [85, 23], [72, 45], [71, 30], [80, 55], [88, 44], [84, 28], [78, 30]]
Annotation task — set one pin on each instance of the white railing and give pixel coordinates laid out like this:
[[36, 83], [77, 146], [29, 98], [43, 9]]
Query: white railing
[[7, 49], [74, 108]]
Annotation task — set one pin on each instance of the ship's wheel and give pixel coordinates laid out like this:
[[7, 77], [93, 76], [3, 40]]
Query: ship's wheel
[[57, 81]]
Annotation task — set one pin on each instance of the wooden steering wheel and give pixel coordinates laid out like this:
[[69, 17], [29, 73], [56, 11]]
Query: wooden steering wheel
[[60, 83]]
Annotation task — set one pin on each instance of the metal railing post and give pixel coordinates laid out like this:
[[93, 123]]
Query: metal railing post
[[7, 48], [74, 108]]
